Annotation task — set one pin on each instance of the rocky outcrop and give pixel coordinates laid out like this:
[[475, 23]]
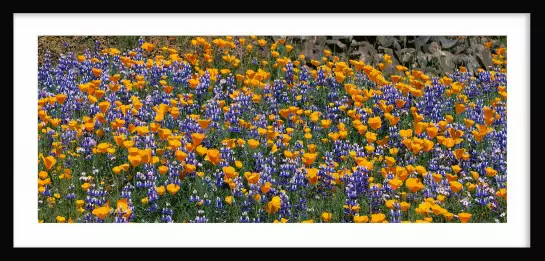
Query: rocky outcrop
[[433, 54]]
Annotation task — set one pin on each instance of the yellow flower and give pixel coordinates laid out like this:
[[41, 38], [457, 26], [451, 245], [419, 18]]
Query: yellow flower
[[252, 178], [160, 190], [339, 76], [455, 186], [309, 158], [79, 203], [180, 155], [312, 175], [375, 123], [456, 169], [395, 183], [238, 164], [147, 46], [229, 200], [377, 218], [282, 220], [274, 205], [464, 217], [389, 161], [123, 207], [253, 143], [414, 184], [229, 172], [266, 187], [43, 174], [173, 188], [101, 212], [490, 172], [289, 47], [325, 123], [390, 203], [49, 162], [361, 219], [502, 193], [213, 156], [104, 106], [144, 200], [404, 206], [163, 170], [85, 186], [326, 216], [459, 107], [370, 137], [197, 138], [135, 160]]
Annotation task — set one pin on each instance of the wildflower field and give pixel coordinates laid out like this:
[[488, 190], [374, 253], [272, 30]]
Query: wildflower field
[[248, 129]]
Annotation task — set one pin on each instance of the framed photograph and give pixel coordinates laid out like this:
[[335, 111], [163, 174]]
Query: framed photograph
[[377, 136]]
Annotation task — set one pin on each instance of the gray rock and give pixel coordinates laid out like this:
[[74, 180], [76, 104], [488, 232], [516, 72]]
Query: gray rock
[[460, 49], [484, 58], [343, 38], [365, 52], [434, 48], [432, 70], [447, 43], [276, 37], [423, 59], [403, 41], [447, 62], [366, 58], [446, 66], [386, 50], [421, 40], [355, 55], [337, 43], [354, 44], [403, 51], [319, 51], [406, 58], [385, 41], [298, 39], [478, 48], [473, 40], [396, 45], [369, 46], [394, 60], [308, 49], [320, 40]]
